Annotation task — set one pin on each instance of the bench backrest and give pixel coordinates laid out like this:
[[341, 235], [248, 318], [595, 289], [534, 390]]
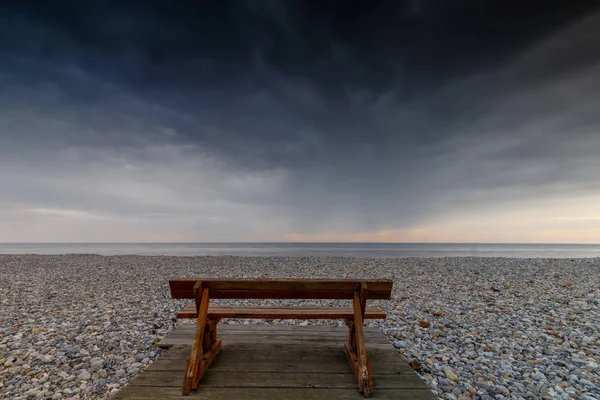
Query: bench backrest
[[281, 288]]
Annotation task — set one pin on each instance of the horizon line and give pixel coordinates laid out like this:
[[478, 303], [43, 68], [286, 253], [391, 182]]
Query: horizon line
[[307, 242]]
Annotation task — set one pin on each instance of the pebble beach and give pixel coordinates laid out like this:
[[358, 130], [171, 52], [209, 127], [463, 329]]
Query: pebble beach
[[82, 326]]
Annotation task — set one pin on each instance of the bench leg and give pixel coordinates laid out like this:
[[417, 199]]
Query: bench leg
[[212, 325], [356, 352], [351, 334], [206, 360], [204, 348], [210, 348]]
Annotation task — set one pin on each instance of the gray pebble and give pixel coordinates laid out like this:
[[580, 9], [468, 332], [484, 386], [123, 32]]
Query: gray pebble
[[515, 320]]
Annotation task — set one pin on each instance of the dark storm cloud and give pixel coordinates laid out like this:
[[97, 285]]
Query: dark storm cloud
[[314, 116]]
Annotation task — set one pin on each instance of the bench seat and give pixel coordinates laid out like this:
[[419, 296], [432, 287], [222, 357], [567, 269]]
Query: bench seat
[[218, 312]]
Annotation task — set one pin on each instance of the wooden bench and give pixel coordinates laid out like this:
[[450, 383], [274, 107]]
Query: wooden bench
[[207, 345]]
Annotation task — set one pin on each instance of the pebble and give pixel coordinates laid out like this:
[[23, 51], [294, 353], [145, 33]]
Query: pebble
[[451, 375], [96, 363], [84, 376], [82, 326]]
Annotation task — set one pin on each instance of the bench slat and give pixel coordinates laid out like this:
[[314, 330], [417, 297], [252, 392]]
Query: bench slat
[[281, 312], [281, 288]]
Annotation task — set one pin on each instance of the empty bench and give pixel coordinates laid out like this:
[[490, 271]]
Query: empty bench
[[206, 344]]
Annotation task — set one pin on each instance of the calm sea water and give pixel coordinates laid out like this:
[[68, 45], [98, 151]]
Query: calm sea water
[[312, 249]]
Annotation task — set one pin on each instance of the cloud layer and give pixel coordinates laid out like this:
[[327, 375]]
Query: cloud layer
[[258, 121]]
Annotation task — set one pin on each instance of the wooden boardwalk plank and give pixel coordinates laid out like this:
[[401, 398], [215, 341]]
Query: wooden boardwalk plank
[[279, 334], [279, 362], [268, 339], [374, 339], [287, 340], [265, 358], [220, 379], [153, 393], [278, 366]]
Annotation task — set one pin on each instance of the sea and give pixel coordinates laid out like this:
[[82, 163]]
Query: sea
[[313, 249]]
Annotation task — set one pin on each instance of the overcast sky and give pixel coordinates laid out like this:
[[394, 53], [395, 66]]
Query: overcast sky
[[421, 120]]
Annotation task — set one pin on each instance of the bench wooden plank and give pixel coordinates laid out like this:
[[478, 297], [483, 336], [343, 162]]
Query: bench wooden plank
[[240, 328], [281, 334], [311, 329], [281, 312], [281, 288], [232, 334]]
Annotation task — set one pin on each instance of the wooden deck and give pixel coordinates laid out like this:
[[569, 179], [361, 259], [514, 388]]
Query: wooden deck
[[278, 362]]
